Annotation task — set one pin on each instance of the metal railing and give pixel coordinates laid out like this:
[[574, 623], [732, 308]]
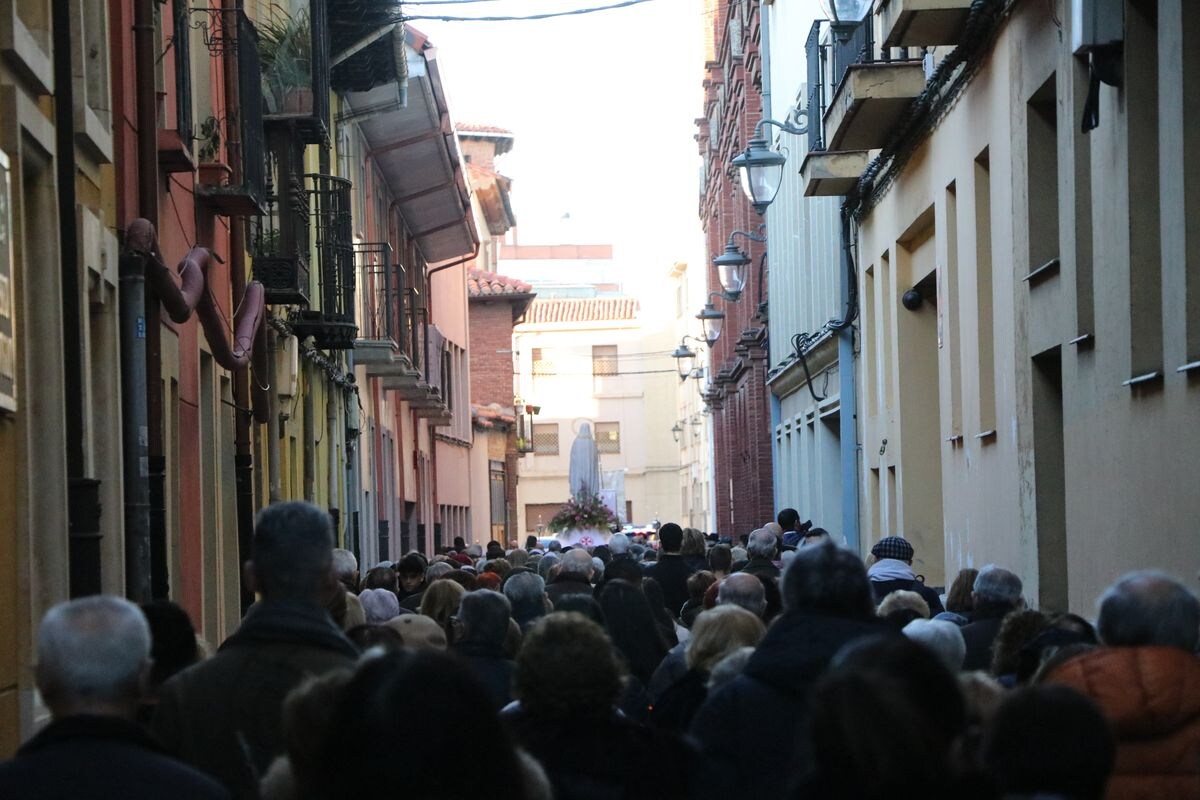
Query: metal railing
[[329, 206], [251, 159], [382, 293]]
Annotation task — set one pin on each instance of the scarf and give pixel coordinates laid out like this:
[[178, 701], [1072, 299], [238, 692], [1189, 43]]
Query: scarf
[[890, 569]]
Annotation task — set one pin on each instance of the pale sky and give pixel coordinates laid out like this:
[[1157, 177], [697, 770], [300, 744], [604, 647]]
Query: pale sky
[[602, 107]]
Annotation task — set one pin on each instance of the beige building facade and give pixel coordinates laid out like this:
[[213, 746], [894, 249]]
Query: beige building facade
[[594, 360], [1030, 304]]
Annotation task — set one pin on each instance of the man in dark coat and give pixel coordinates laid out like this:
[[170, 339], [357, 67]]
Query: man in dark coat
[[575, 578], [762, 547], [671, 571], [93, 660], [892, 571], [483, 621], [827, 603], [224, 715], [995, 593]]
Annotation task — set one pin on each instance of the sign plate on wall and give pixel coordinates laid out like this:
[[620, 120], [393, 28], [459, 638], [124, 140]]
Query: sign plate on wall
[[8, 323]]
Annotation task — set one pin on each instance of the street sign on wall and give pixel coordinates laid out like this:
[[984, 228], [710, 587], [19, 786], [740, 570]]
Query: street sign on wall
[[8, 323]]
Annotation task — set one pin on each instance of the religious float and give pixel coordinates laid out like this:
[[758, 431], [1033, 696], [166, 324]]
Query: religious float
[[584, 520]]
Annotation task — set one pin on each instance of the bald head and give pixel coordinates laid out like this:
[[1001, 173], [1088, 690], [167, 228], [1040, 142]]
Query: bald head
[[744, 590], [1149, 608]]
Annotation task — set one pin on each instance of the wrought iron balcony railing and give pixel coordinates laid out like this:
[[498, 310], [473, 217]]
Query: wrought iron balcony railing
[[332, 323]]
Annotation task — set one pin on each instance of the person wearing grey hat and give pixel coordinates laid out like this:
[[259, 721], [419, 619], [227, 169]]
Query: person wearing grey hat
[[893, 570]]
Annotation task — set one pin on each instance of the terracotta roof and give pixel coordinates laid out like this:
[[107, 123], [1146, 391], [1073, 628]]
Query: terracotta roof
[[471, 127], [491, 416], [481, 174], [489, 284], [586, 309]]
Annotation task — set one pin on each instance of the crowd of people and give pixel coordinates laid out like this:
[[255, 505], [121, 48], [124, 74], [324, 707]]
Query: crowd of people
[[776, 665]]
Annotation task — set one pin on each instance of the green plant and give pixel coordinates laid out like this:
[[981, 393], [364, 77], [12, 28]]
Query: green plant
[[585, 512], [285, 53], [210, 140]]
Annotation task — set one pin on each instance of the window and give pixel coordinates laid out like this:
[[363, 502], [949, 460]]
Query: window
[[604, 366], [545, 439], [542, 365], [608, 437]]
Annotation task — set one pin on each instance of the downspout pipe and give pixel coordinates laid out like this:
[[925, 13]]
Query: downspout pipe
[[848, 397], [83, 492], [140, 364]]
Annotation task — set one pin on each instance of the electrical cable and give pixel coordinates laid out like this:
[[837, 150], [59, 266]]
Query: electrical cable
[[547, 15]]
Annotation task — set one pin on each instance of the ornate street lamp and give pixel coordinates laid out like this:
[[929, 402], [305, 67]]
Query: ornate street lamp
[[847, 16], [684, 357], [761, 167], [676, 430], [712, 320], [731, 266]]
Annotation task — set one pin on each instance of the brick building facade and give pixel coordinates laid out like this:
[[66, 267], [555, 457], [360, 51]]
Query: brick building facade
[[737, 391]]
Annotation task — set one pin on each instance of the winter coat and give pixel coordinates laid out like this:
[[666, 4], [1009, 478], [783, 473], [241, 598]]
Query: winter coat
[[1151, 697], [608, 759], [224, 715], [677, 706], [100, 758], [492, 666], [979, 634], [671, 572], [761, 568], [568, 583], [765, 709]]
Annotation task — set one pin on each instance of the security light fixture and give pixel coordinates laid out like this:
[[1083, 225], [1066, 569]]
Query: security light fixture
[[731, 266], [712, 320]]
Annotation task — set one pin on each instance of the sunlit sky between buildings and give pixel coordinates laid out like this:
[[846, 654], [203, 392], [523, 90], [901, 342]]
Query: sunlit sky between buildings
[[603, 110]]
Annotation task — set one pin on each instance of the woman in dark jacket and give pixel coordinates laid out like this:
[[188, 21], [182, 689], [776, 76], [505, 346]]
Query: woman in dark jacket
[[637, 638], [567, 681]]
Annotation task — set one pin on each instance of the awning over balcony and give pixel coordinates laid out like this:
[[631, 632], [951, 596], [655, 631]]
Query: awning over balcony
[[417, 151]]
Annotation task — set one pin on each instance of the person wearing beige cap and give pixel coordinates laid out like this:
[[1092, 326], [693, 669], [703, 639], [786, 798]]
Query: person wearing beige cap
[[418, 632]]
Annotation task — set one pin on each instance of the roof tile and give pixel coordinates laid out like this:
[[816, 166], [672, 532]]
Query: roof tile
[[586, 309], [481, 283]]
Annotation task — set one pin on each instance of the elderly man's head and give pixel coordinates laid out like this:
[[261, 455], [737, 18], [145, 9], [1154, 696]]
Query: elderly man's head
[[527, 594], [484, 616], [345, 567], [744, 590], [762, 544], [618, 545], [828, 580], [293, 552], [1149, 608], [578, 562], [996, 586], [93, 657]]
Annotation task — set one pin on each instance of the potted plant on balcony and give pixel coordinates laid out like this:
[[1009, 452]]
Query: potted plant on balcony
[[285, 52], [212, 171]]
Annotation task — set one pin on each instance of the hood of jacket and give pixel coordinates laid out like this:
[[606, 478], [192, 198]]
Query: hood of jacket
[[1144, 692], [799, 646]]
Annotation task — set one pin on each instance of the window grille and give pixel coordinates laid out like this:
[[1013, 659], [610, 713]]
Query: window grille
[[545, 439], [608, 437]]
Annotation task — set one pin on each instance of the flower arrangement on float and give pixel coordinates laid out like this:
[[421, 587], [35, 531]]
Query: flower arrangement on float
[[584, 520]]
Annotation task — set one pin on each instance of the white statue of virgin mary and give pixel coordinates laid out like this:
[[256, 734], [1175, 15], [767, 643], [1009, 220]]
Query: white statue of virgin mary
[[584, 474]]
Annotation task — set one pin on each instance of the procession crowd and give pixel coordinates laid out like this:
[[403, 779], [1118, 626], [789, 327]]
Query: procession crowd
[[775, 665]]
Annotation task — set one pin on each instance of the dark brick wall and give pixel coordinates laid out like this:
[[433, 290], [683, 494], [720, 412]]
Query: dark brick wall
[[741, 415]]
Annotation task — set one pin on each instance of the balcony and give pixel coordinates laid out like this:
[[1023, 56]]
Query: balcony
[[295, 70], [832, 173], [921, 23], [857, 91], [378, 347], [332, 325], [279, 237], [236, 186]]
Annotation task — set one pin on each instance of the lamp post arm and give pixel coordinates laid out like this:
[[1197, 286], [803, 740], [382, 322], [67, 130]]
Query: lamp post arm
[[786, 127], [761, 236]]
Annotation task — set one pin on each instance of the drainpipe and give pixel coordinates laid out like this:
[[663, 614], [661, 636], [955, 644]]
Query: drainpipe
[[274, 428], [331, 438], [308, 412], [848, 398], [141, 435], [83, 492], [243, 459]]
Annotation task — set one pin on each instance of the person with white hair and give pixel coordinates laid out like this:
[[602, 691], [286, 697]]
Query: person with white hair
[[93, 665], [618, 545], [345, 566], [762, 547], [942, 637], [1146, 682], [576, 575], [996, 592]]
